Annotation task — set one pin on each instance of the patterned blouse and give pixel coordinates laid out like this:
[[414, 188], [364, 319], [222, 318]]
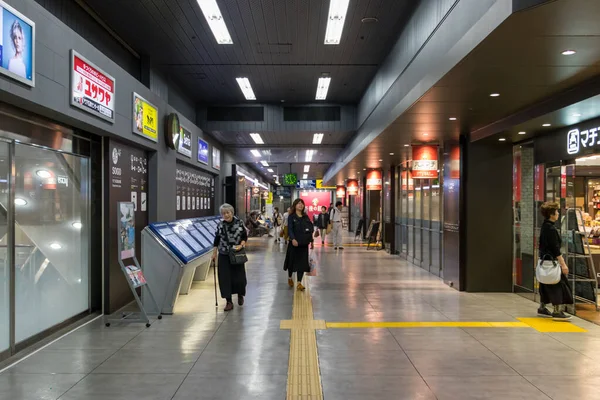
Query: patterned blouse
[[236, 232]]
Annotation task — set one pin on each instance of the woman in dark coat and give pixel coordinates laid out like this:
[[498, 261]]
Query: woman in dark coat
[[549, 248], [231, 234], [300, 230]]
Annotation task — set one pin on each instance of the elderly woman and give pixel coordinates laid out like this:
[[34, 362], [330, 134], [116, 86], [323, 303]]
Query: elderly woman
[[231, 234]]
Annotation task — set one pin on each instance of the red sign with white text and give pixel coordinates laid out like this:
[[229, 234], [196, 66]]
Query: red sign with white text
[[425, 162], [314, 201], [352, 187], [340, 191], [92, 90], [374, 180]]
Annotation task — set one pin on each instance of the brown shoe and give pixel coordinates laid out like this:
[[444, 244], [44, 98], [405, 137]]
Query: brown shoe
[[291, 282], [229, 306], [300, 287], [240, 300]]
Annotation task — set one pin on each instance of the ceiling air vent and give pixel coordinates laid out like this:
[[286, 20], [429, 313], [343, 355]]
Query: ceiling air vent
[[235, 114], [311, 113]]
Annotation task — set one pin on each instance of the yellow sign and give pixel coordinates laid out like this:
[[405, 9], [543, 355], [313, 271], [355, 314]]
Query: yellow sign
[[270, 199], [145, 118], [320, 185]]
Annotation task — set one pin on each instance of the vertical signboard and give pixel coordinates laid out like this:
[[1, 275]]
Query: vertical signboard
[[452, 198], [92, 89], [352, 186], [127, 169], [340, 192], [374, 180], [425, 162], [17, 51], [185, 142], [195, 191], [202, 151], [216, 158], [145, 118]]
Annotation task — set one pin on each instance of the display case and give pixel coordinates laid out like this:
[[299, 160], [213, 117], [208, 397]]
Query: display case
[[176, 253]]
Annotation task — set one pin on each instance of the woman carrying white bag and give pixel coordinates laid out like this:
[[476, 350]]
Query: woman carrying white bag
[[552, 271]]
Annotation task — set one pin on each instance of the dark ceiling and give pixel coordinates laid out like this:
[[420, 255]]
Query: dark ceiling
[[277, 44], [522, 61]]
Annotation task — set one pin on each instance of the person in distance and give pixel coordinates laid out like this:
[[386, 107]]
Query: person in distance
[[300, 231], [322, 222]]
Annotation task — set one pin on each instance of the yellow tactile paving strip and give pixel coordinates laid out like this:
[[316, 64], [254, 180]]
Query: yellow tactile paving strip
[[304, 375]]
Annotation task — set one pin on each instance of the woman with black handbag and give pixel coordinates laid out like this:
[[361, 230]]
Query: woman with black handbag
[[230, 244], [300, 230]]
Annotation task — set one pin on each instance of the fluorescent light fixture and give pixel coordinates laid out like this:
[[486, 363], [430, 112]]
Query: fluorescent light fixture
[[407, 145], [452, 118], [495, 95], [306, 168], [335, 21], [309, 155], [323, 87], [568, 52], [264, 163], [275, 176], [257, 139], [43, 173], [502, 139], [213, 16], [391, 154], [20, 202], [271, 170], [246, 88], [576, 115], [522, 133], [317, 138], [546, 125], [305, 176], [255, 153], [55, 246], [77, 225]]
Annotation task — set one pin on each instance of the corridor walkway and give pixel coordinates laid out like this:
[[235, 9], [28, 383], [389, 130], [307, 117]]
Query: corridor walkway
[[203, 353]]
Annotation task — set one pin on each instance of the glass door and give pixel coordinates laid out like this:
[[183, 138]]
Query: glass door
[[436, 230], [426, 224]]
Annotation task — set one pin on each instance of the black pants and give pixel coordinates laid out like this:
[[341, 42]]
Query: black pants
[[299, 274]]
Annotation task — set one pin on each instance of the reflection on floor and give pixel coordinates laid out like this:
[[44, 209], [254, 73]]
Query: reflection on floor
[[203, 353]]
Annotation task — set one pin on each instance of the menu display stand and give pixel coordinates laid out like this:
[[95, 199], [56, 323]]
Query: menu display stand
[[133, 273], [174, 254]]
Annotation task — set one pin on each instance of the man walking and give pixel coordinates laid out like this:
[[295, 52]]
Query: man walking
[[336, 218]]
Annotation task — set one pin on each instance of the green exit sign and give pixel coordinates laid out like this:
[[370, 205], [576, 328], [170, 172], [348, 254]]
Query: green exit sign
[[290, 179]]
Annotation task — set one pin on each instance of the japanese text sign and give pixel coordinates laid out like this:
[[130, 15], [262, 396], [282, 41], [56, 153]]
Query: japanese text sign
[[92, 89]]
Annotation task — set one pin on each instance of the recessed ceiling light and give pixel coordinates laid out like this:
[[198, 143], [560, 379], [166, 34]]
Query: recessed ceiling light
[[495, 95], [323, 87], [452, 118], [380, 160], [306, 168], [546, 125], [43, 173], [407, 145], [270, 170], [274, 175], [502, 139], [364, 169], [257, 139], [391, 154], [335, 21], [309, 155], [305, 176], [568, 52], [55, 246], [213, 16], [255, 153], [246, 88], [522, 133], [20, 202], [264, 163], [77, 225], [426, 134], [317, 138]]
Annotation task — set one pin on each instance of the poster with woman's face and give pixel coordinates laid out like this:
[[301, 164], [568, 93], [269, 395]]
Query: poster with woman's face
[[17, 44]]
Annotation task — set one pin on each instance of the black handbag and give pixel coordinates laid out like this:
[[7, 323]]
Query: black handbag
[[235, 257]]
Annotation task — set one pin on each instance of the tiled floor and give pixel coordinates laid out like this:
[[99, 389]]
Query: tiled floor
[[203, 353]]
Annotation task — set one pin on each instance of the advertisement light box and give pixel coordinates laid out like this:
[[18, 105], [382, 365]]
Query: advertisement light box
[[17, 45]]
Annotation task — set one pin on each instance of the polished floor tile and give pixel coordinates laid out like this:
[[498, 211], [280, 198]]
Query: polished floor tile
[[568, 387], [365, 362], [483, 387], [370, 387], [150, 361], [81, 361], [459, 362], [36, 386], [259, 387]]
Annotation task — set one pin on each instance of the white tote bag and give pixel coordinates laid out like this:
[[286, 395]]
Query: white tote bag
[[548, 271]]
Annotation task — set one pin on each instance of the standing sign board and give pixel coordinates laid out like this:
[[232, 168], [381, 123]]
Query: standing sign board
[[92, 90], [202, 151], [185, 142], [17, 39], [145, 118]]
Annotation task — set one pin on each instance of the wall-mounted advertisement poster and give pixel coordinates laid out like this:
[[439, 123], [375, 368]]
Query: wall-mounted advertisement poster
[[127, 230], [185, 142], [92, 90], [202, 151], [145, 118], [18, 45], [216, 156]]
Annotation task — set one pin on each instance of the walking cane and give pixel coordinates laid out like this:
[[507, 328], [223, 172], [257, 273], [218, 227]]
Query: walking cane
[[214, 265]]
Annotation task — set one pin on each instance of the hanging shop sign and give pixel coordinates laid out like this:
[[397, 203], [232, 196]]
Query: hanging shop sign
[[264, 195], [306, 184], [425, 162], [255, 192], [320, 185], [203, 151], [216, 158], [340, 191], [184, 145], [352, 185], [145, 118], [17, 38], [92, 90], [374, 179], [563, 181], [172, 131], [580, 140]]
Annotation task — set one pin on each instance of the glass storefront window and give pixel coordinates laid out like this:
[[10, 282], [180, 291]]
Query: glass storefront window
[[5, 274]]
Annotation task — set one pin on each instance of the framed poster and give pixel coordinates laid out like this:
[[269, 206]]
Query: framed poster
[[92, 90], [216, 158], [145, 118], [185, 142], [18, 45], [126, 230], [202, 151]]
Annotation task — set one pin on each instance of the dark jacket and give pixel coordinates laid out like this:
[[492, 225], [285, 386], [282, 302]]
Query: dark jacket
[[300, 229], [550, 241], [323, 220]]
